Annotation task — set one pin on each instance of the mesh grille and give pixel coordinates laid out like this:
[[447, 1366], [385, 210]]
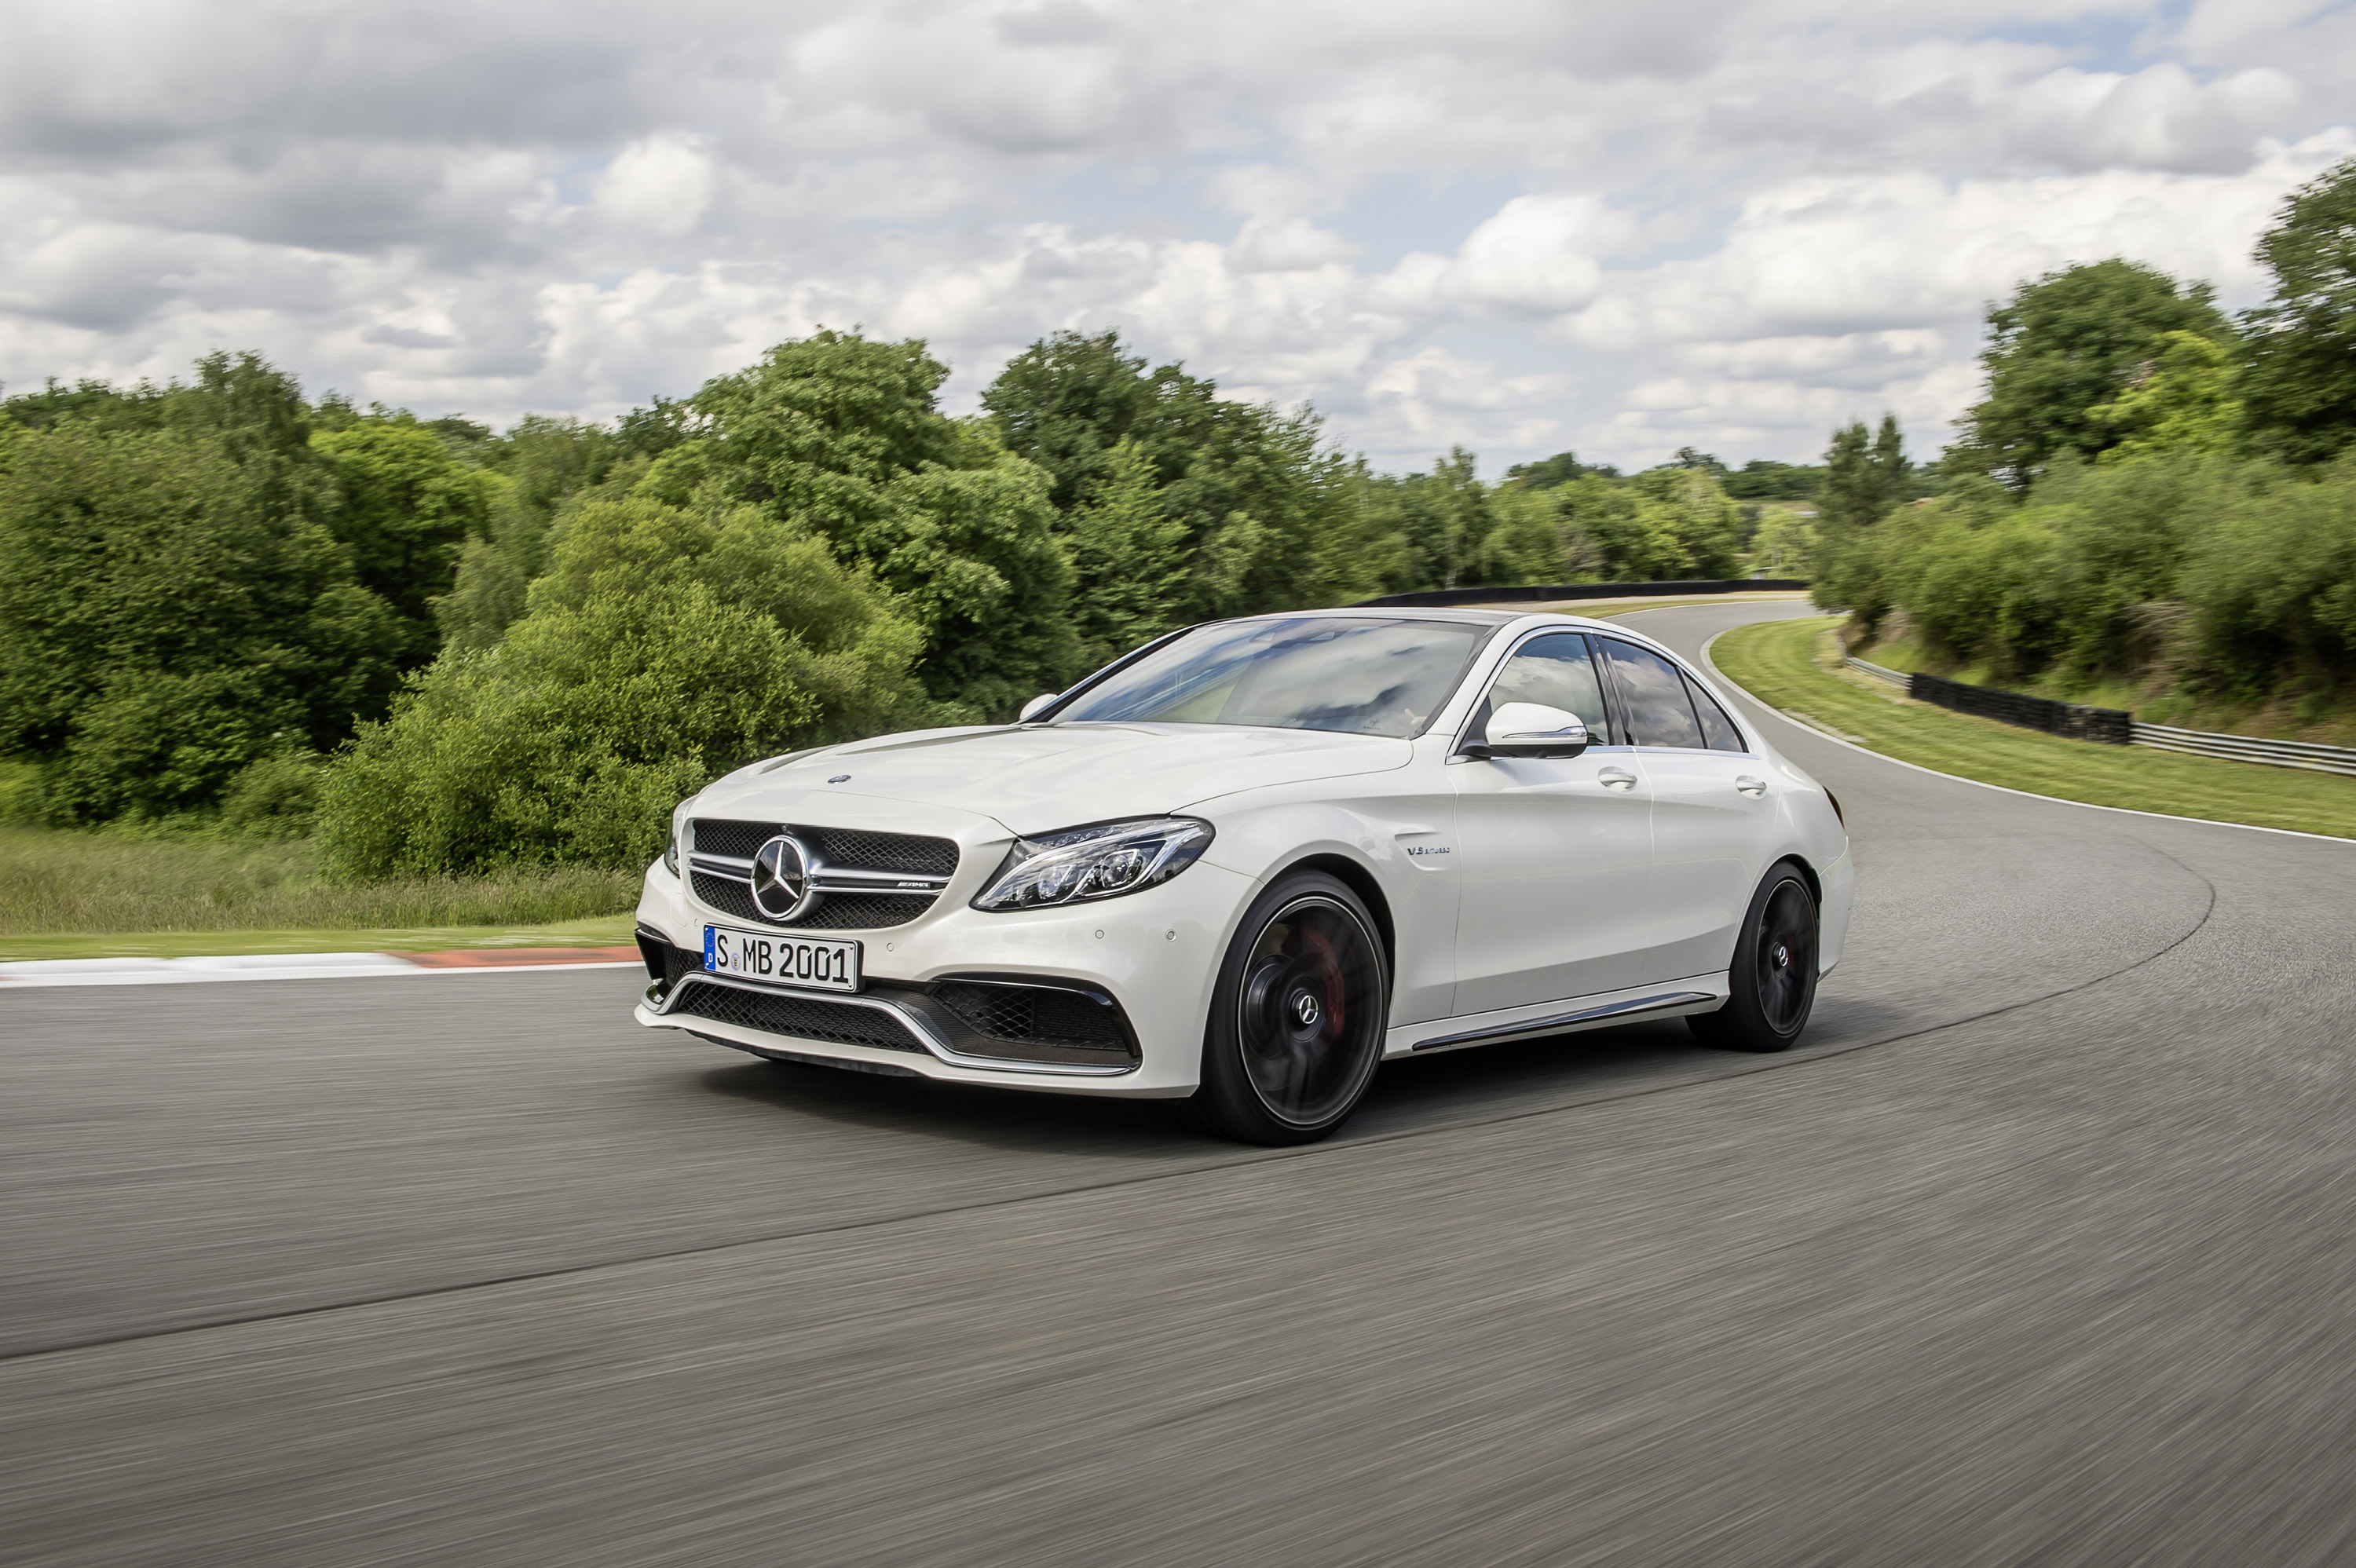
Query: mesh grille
[[833, 912], [805, 1017], [859, 911], [850, 848], [1035, 1015]]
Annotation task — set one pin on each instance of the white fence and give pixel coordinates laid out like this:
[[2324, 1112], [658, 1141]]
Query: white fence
[[2200, 742]]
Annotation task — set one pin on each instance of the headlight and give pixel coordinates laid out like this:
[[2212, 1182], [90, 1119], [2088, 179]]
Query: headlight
[[671, 850], [1102, 862]]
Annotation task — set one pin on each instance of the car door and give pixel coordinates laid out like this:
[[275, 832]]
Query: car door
[[1556, 851], [1712, 809]]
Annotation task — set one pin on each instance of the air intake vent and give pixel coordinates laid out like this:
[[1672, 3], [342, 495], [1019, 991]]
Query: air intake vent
[[804, 1017]]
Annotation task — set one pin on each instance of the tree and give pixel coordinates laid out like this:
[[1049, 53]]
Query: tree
[[1268, 517], [1548, 472], [1128, 565], [162, 625], [2064, 344], [408, 508], [1866, 476], [2187, 399], [2300, 377], [839, 437], [664, 646], [1762, 479]]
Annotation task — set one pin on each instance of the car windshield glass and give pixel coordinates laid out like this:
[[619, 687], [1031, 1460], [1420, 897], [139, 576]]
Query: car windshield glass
[[1364, 676]]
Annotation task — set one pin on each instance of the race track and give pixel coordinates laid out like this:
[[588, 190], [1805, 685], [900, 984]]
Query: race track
[[2040, 1247]]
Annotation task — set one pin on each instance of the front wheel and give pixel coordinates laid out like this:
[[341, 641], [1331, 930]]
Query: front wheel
[[1298, 1015], [1773, 978]]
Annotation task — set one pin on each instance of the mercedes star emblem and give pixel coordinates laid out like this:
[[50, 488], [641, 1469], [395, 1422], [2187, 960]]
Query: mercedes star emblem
[[781, 877]]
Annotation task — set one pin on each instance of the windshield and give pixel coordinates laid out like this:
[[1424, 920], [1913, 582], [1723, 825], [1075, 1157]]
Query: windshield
[[1361, 676]]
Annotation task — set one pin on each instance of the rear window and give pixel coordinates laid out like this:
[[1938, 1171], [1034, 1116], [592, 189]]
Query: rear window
[[1654, 707]]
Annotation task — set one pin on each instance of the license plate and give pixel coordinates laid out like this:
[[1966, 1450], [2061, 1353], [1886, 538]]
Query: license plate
[[810, 964]]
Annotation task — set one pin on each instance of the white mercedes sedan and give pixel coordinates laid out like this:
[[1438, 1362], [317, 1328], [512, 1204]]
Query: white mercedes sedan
[[1249, 861]]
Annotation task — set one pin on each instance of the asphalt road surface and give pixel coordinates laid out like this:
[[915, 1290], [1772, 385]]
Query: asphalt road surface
[[2039, 1248]]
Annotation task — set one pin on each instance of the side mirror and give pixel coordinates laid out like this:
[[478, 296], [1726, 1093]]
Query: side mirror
[[1534, 729], [1037, 706]]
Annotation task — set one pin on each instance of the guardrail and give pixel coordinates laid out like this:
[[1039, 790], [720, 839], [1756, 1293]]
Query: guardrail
[[2305, 755], [1436, 597], [1896, 677], [2249, 749]]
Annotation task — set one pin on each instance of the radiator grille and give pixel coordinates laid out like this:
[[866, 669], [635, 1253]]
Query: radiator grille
[[852, 849], [805, 1017], [833, 912]]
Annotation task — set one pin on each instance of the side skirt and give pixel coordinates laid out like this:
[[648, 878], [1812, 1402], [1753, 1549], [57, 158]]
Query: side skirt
[[1686, 997]]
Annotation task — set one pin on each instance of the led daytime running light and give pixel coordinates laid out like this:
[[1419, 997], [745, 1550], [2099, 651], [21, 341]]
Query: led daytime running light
[[1088, 863]]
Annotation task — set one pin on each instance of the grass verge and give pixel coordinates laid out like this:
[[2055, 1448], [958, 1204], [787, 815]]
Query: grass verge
[[2324, 719], [71, 894], [1792, 666]]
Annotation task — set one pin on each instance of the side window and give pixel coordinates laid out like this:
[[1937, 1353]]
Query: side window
[[1716, 727], [1556, 670], [1654, 707]]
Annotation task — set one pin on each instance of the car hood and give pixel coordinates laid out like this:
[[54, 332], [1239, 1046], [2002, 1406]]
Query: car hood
[[1037, 779]]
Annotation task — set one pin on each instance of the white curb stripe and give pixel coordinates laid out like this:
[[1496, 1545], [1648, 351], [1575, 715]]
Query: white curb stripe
[[257, 966]]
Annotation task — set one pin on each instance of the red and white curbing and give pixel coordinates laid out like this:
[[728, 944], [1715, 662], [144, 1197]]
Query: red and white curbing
[[309, 965]]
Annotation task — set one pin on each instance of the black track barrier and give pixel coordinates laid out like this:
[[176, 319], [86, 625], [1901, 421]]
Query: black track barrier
[[2111, 726], [1442, 596]]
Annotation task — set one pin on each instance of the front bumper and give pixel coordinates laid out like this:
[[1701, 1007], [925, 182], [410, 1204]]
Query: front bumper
[[1152, 956]]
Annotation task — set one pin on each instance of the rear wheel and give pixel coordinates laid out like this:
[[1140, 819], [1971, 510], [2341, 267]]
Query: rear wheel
[[1772, 981], [1297, 1018]]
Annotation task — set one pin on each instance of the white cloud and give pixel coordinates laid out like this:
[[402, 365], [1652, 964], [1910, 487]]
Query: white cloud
[[661, 185], [1517, 226]]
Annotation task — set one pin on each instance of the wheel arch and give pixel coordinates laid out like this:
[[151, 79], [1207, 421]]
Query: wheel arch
[[1807, 873], [1361, 881]]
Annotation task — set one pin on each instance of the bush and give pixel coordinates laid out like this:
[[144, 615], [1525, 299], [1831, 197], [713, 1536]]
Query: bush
[[2271, 584], [664, 646], [274, 797]]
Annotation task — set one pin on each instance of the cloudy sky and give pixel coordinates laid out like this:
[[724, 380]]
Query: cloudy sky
[[1620, 228]]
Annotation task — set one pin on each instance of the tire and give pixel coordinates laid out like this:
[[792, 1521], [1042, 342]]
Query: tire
[[1772, 981], [1297, 1018]]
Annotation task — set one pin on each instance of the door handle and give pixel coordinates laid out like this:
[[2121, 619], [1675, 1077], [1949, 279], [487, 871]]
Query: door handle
[[1751, 786], [1615, 778]]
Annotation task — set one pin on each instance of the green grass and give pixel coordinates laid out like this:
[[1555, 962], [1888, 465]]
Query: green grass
[[1792, 666], [68, 893], [2324, 719]]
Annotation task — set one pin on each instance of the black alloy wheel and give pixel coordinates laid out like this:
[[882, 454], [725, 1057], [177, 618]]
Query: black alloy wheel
[[1298, 1016], [1773, 977]]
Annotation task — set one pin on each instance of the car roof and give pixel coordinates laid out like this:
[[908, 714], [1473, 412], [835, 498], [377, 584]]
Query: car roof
[[1396, 613]]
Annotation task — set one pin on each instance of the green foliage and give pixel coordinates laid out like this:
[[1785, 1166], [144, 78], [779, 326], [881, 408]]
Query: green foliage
[[408, 508], [1128, 563], [1864, 476], [2300, 380], [2185, 399], [1561, 469], [274, 796], [663, 646], [1267, 516], [2270, 582], [1784, 544], [1761, 480], [167, 614], [2064, 344], [837, 436]]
